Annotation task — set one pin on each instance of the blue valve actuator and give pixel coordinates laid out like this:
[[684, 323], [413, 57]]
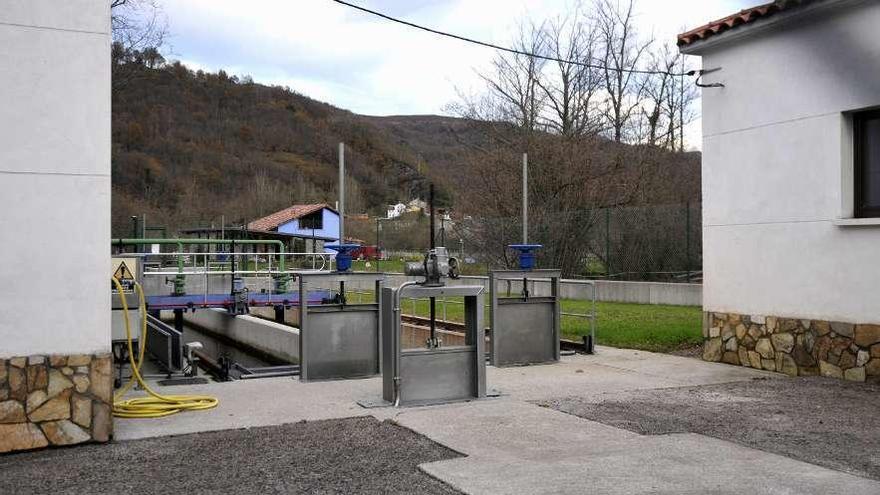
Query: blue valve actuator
[[526, 254], [343, 255]]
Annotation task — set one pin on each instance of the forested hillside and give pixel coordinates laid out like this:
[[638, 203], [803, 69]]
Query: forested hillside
[[190, 146]]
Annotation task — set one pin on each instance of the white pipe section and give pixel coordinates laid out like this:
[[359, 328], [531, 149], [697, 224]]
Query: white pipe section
[[341, 193]]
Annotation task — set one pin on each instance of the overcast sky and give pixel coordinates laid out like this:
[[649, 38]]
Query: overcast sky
[[372, 66]]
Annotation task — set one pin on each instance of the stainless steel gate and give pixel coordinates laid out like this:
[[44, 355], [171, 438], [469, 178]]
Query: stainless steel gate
[[433, 375], [339, 339], [525, 326]]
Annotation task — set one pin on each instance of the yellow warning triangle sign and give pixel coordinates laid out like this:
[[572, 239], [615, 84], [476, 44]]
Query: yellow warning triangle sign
[[123, 273]]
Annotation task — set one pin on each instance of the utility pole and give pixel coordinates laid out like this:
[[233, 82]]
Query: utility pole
[[525, 198]]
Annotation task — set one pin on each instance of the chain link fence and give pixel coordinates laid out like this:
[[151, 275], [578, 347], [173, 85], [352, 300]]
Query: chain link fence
[[658, 243], [644, 243]]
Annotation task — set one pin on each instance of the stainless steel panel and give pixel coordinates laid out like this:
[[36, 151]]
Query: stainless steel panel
[[438, 375], [340, 344], [339, 341], [524, 331], [528, 336], [390, 344]]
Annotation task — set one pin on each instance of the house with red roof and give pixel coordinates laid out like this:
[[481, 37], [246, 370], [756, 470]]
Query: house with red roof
[[791, 186], [318, 222]]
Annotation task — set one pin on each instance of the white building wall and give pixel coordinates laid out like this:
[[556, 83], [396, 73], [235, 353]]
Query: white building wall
[[777, 169], [54, 177]]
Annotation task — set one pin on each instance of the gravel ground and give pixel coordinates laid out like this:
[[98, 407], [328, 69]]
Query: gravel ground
[[823, 421], [692, 351], [358, 455]]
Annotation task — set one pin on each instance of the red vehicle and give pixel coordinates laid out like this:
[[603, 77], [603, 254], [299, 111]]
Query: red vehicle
[[366, 253]]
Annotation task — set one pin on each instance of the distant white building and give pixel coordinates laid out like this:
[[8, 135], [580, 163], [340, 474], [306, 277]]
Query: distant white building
[[791, 187], [395, 210], [416, 205]]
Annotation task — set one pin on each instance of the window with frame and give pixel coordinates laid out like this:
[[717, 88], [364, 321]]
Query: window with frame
[[312, 221], [866, 147]]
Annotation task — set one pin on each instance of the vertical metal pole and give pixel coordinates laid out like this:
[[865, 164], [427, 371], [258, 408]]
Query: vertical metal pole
[[232, 260], [431, 209], [687, 237], [341, 193], [378, 246], [432, 301], [134, 232], [607, 242], [525, 198]]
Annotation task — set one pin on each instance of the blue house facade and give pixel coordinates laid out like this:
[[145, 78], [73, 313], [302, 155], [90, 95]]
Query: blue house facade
[[322, 224], [318, 222]]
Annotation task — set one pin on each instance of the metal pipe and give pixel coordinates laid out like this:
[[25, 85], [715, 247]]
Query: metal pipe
[[274, 374], [341, 193], [396, 310], [525, 198]]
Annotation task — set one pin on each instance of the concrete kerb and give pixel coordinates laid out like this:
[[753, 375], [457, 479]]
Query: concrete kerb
[[606, 290]]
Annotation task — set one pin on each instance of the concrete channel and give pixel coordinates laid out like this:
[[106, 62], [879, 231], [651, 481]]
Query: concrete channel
[[275, 340]]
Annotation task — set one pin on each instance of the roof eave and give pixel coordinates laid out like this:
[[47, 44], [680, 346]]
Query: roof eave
[[759, 26]]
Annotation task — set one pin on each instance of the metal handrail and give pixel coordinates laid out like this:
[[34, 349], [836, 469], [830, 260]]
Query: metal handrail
[[204, 268]]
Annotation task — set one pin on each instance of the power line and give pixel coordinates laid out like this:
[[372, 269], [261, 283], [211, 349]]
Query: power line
[[512, 50]]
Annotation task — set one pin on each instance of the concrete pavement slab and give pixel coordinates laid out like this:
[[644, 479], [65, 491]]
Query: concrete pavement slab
[[514, 447]]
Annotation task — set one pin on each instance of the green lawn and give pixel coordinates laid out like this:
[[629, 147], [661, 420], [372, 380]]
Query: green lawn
[[638, 326], [635, 326], [386, 266]]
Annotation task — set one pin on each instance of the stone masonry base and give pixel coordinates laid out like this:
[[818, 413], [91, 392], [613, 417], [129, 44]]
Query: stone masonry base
[[55, 400], [793, 346]]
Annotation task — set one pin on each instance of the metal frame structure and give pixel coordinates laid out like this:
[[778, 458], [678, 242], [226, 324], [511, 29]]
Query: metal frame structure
[[339, 339], [524, 329], [433, 375]]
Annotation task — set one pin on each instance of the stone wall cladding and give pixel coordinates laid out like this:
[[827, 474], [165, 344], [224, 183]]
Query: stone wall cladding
[[796, 347], [55, 400]]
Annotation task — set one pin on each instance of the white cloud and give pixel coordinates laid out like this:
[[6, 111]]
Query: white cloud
[[369, 65]]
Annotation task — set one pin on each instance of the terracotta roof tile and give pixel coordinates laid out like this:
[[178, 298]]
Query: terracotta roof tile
[[273, 221], [746, 16]]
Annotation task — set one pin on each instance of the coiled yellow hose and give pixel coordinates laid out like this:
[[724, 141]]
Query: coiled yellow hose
[[155, 405]]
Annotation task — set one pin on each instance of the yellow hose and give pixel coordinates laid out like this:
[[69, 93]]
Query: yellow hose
[[155, 405]]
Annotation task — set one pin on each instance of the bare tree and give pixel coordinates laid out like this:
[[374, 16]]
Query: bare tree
[[138, 24], [571, 89], [622, 52], [513, 82], [679, 107], [659, 90], [139, 29]]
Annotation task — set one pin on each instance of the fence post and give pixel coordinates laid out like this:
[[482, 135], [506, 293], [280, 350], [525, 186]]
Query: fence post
[[687, 237], [607, 242]]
